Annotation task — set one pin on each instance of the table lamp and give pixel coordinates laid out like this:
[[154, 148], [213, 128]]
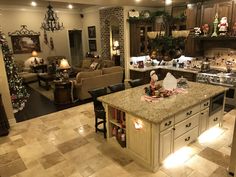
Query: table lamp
[[64, 66], [35, 54], [116, 46]]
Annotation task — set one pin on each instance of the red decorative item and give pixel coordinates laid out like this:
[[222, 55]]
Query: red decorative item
[[205, 29], [234, 29], [51, 43]]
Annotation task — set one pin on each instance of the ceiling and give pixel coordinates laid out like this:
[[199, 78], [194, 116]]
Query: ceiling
[[81, 4]]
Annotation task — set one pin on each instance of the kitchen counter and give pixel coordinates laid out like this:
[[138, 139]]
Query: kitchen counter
[[190, 70], [130, 101], [150, 131]]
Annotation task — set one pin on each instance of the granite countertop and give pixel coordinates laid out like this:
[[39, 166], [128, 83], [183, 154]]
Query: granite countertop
[[195, 71], [130, 102]]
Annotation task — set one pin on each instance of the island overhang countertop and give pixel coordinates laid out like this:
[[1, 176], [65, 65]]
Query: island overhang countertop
[[130, 102]]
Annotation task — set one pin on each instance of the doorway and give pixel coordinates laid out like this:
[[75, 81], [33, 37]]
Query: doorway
[[76, 49]]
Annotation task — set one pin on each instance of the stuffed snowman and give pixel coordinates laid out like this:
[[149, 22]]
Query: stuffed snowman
[[223, 26]]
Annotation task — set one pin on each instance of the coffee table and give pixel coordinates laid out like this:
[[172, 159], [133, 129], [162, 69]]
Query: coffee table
[[46, 78]]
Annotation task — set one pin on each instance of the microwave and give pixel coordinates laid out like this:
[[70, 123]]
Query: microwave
[[217, 103]]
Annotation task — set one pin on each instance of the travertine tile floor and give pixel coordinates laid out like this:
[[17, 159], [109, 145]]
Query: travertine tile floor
[[64, 144]]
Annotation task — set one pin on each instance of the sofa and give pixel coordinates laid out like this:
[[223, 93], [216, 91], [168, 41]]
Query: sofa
[[90, 64], [89, 80], [25, 72]]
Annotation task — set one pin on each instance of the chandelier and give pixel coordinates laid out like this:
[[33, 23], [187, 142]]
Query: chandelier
[[51, 21]]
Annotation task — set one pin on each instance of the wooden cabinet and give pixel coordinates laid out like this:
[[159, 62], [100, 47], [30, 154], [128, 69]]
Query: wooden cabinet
[[208, 12], [139, 140], [62, 92], [203, 120], [192, 14], [139, 42], [166, 143], [224, 9], [215, 119]]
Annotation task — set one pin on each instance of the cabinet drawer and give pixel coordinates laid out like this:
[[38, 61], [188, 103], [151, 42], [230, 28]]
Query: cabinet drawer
[[167, 123], [186, 125], [203, 120], [186, 139], [215, 119], [187, 113], [205, 104]]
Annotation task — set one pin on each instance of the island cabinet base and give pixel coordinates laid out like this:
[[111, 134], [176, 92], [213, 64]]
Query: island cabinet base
[[149, 143]]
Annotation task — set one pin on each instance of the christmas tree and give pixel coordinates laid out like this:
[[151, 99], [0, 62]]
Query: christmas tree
[[19, 94]]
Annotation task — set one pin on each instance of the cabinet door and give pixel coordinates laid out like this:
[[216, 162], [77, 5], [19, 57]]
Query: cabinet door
[[208, 13], [215, 119], [191, 14], [224, 9], [166, 143], [139, 140], [204, 116]]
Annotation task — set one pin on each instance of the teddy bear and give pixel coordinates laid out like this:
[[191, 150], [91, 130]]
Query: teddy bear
[[223, 26]]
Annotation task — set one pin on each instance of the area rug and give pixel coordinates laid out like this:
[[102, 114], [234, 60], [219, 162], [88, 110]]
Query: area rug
[[47, 93]]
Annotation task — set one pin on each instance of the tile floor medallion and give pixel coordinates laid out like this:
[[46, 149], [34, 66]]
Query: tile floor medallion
[[64, 144]]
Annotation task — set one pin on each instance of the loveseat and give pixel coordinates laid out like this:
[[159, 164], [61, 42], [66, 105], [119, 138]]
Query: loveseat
[[89, 80]]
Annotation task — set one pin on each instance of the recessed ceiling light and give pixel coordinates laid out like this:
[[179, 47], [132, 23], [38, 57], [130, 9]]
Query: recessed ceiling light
[[70, 6], [33, 3], [137, 0], [168, 2]]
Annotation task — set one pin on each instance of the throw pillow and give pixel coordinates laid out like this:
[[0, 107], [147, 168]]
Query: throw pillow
[[94, 65]]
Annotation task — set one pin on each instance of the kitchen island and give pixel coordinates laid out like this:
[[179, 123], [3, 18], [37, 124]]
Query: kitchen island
[[150, 131]]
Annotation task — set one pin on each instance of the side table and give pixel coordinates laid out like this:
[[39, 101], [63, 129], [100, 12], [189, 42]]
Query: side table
[[62, 92]]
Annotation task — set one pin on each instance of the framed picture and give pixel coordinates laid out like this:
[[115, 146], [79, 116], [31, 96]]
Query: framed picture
[[25, 43], [92, 46], [92, 32]]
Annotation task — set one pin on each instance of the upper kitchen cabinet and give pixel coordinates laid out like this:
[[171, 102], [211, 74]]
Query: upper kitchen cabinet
[[224, 9], [210, 8], [139, 41], [208, 12], [193, 14], [179, 17]]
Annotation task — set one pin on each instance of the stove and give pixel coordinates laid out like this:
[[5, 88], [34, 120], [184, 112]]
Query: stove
[[216, 77]]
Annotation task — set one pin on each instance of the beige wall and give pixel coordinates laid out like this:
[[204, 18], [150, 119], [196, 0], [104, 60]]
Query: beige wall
[[91, 18], [4, 89], [12, 19]]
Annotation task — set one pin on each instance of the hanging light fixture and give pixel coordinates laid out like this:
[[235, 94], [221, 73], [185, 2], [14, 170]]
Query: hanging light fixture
[[51, 21]]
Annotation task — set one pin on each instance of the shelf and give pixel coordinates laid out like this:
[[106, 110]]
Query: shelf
[[218, 38], [116, 123]]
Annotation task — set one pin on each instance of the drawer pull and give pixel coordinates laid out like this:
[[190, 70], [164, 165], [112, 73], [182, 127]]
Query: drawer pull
[[187, 139], [173, 128], [168, 124], [215, 119], [189, 113], [188, 125], [206, 104], [202, 113]]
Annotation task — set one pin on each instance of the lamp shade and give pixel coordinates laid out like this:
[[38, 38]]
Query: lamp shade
[[152, 34], [116, 44], [64, 64], [34, 53]]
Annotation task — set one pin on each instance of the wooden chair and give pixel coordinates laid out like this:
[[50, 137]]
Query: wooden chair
[[116, 87], [100, 114], [135, 82]]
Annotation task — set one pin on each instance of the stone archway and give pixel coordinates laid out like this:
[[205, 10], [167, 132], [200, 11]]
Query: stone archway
[[106, 15]]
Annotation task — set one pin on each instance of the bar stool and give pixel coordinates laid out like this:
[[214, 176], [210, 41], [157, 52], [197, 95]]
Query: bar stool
[[135, 82], [116, 87], [100, 114]]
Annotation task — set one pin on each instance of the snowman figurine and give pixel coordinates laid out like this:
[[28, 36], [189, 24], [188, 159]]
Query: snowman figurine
[[223, 26]]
